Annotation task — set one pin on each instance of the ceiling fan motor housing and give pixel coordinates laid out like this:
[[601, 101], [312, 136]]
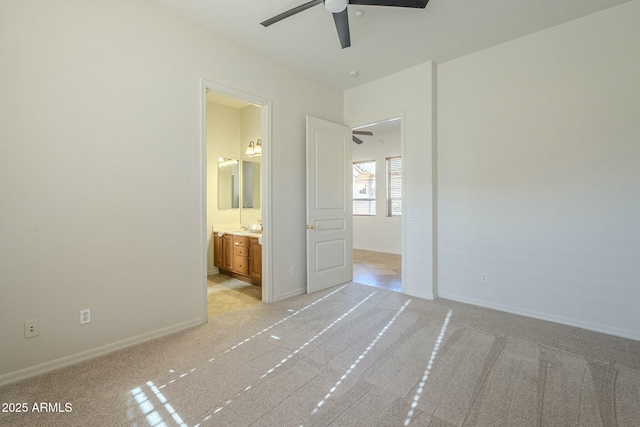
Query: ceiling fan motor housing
[[336, 6]]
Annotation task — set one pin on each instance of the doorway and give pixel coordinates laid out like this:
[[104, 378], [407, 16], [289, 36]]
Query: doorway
[[236, 179], [378, 226]]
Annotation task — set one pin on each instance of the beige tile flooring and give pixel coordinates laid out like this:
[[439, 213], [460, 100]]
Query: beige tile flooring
[[225, 294], [378, 269]]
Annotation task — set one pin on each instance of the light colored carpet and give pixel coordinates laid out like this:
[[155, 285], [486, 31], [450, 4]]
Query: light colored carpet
[[351, 356]]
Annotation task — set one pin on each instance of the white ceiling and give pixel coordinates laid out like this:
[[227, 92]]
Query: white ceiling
[[383, 41]]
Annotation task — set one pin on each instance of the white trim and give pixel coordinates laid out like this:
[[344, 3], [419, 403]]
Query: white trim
[[623, 333], [267, 219], [290, 294], [267, 205], [66, 361], [403, 244], [434, 179], [424, 295], [203, 197]]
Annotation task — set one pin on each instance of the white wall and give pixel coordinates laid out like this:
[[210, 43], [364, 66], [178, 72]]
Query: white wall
[[539, 177], [378, 233], [100, 173], [409, 93]]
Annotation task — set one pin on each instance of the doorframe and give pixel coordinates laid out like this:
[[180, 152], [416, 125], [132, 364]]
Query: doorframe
[[403, 243], [265, 177]]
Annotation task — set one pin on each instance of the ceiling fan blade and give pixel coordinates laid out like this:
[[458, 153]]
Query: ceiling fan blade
[[421, 4], [357, 140], [342, 25], [362, 132], [290, 12]]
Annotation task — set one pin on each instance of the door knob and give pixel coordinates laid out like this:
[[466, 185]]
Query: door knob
[[311, 227]]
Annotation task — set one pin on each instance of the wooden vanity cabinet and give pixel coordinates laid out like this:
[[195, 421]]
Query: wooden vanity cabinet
[[255, 258], [239, 257], [217, 250], [227, 251]]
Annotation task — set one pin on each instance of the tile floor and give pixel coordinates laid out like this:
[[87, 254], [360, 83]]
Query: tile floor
[[225, 294], [378, 269]]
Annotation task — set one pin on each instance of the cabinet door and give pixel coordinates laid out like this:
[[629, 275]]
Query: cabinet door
[[217, 250], [227, 252], [255, 258]]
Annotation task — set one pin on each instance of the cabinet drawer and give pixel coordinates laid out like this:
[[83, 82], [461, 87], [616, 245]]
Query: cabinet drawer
[[241, 265], [240, 250], [242, 241]]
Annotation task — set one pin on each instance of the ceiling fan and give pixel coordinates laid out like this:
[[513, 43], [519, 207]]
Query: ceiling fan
[[359, 132], [340, 16]]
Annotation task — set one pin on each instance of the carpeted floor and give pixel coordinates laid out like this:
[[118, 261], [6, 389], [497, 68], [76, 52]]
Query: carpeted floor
[[350, 356]]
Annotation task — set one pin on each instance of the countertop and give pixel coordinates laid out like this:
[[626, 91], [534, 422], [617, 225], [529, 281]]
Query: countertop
[[240, 233]]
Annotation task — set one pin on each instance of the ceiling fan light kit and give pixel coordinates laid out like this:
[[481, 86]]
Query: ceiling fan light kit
[[335, 6], [340, 15]]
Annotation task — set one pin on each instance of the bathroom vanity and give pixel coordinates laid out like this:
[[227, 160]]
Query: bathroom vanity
[[238, 254]]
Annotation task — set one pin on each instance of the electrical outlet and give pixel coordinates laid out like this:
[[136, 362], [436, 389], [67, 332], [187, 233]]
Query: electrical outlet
[[484, 277], [31, 328], [292, 271], [85, 316]]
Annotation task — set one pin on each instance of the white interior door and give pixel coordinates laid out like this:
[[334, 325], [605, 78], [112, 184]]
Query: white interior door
[[329, 204]]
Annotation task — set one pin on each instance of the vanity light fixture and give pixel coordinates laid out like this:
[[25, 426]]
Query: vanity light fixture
[[255, 148], [222, 162], [251, 150]]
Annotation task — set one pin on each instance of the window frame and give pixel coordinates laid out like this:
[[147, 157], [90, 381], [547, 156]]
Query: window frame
[[389, 199], [372, 200]]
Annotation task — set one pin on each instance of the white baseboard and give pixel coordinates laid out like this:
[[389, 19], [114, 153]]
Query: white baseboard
[[623, 333], [289, 294], [423, 295], [73, 359]]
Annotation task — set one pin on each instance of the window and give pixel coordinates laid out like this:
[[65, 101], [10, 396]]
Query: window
[[394, 186], [364, 188]]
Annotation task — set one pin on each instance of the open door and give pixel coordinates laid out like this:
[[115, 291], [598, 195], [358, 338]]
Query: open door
[[329, 201]]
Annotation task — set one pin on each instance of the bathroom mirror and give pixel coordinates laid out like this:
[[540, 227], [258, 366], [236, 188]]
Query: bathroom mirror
[[228, 184], [250, 185]]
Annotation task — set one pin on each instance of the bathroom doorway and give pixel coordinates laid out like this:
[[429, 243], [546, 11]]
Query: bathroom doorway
[[236, 129]]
